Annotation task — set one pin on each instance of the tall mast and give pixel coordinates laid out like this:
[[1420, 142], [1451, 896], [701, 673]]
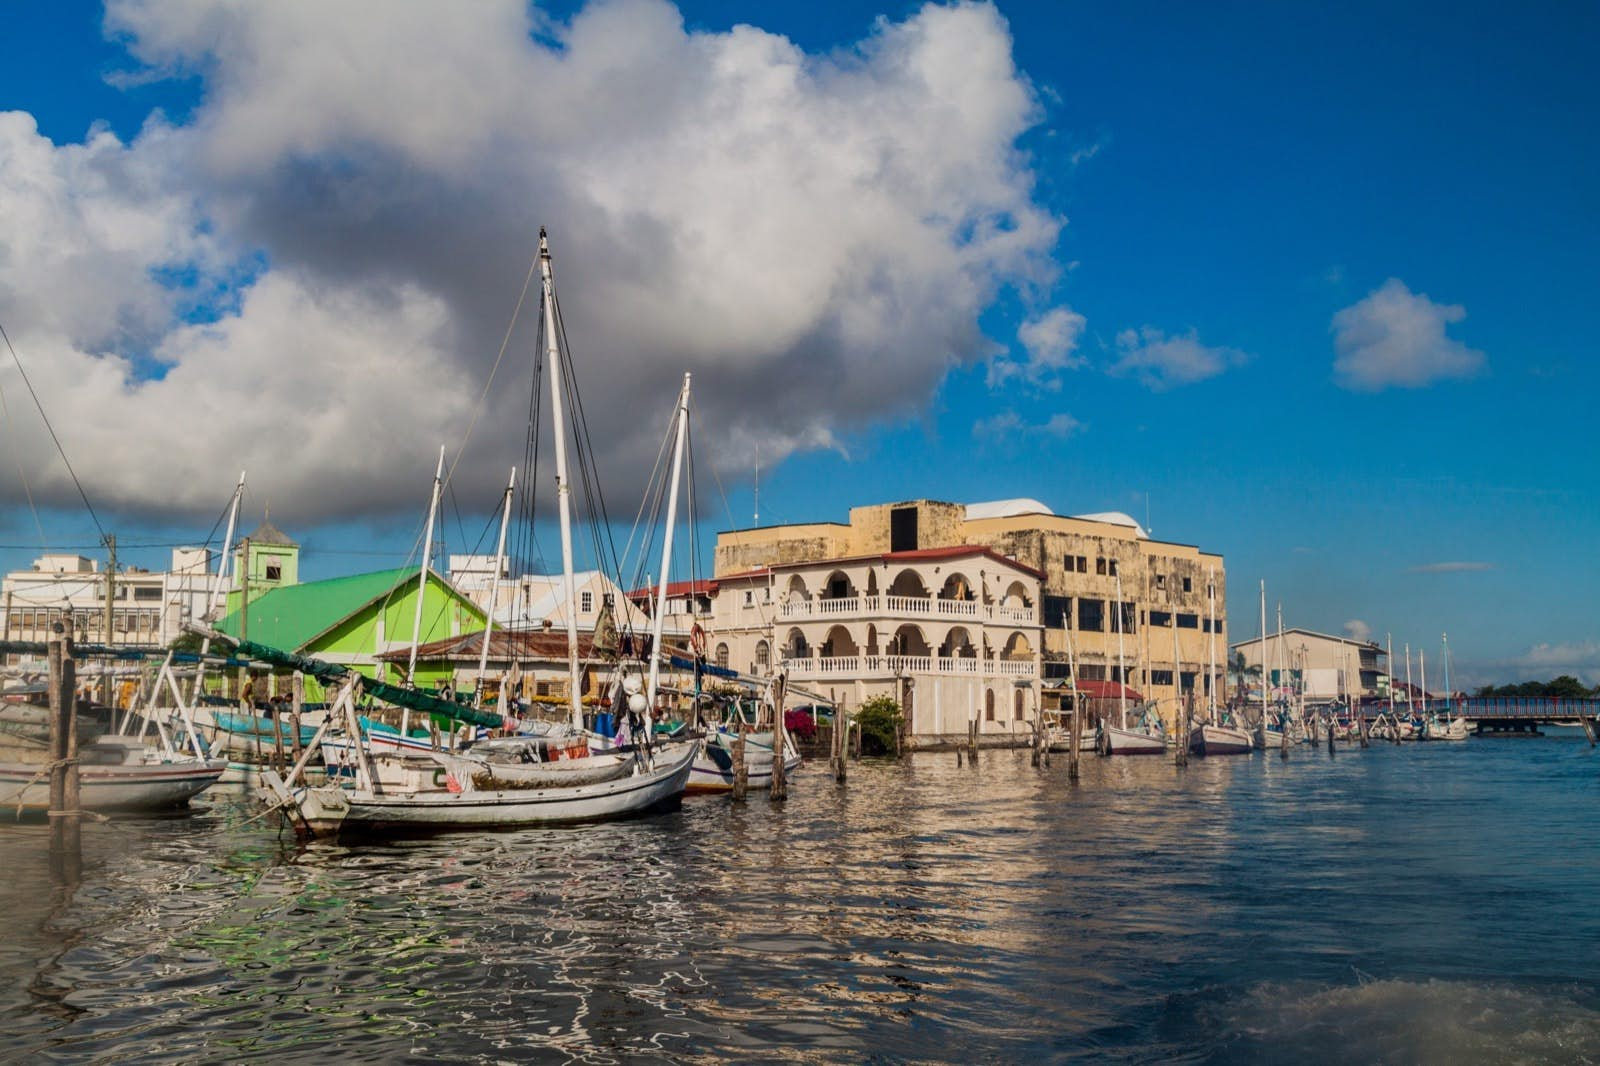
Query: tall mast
[[1422, 669], [563, 487], [494, 590], [666, 563], [1122, 666], [1177, 677], [422, 575], [224, 568], [1262, 727], [1211, 650], [1411, 704], [1283, 662], [1390, 664], [1448, 701]]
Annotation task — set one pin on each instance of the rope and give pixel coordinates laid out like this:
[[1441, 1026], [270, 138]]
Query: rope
[[59, 450]]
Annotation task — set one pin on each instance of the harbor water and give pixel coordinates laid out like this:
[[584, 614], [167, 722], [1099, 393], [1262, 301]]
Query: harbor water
[[1432, 903]]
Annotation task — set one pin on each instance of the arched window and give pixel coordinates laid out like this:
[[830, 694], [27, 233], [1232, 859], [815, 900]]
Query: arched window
[[763, 656], [722, 655], [1016, 710], [988, 705]]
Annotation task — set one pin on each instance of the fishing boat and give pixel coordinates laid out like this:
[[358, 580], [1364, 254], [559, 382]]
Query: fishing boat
[[1144, 735], [714, 767]]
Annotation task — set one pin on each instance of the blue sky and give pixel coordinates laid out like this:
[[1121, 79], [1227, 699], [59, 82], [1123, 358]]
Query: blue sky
[[1231, 179]]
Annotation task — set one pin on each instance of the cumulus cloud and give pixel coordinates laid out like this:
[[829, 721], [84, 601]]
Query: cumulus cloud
[[1008, 425], [1395, 337], [1050, 345], [1356, 629], [1161, 362], [1450, 568], [1580, 658], [311, 275]]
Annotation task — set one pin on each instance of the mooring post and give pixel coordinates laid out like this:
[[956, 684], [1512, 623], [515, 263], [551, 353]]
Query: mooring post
[[1074, 740], [741, 773], [66, 842], [780, 742]]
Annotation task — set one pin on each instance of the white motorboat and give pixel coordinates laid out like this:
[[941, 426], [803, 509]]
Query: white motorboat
[[115, 773]]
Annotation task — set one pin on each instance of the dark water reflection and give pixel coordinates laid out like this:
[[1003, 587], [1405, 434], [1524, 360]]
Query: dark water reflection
[[1426, 903]]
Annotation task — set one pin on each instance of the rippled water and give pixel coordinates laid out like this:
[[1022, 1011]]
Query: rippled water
[[1426, 903]]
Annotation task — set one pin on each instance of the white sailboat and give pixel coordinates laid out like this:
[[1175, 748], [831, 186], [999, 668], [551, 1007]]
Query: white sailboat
[[1218, 734], [439, 790], [1144, 735]]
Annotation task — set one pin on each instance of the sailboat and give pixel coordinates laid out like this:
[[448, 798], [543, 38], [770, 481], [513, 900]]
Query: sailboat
[[1218, 734], [1144, 735], [1446, 725], [438, 790]]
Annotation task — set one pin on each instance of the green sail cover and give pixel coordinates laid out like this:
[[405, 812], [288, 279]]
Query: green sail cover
[[414, 699]]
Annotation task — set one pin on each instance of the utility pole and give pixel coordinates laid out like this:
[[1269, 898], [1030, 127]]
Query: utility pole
[[111, 599]]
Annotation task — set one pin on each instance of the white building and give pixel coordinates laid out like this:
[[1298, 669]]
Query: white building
[[149, 608], [1324, 667]]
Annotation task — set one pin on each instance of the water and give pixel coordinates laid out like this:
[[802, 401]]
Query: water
[[1426, 903]]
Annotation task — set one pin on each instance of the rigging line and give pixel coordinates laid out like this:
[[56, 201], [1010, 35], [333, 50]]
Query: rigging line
[[505, 342], [661, 456], [583, 422], [22, 472], [59, 450]]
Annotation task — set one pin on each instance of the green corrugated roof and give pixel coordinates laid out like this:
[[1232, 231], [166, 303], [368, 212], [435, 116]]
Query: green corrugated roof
[[288, 618]]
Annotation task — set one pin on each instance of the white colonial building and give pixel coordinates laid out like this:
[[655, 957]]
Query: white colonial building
[[952, 633]]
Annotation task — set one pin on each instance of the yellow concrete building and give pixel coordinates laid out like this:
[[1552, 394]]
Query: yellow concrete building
[[1123, 600]]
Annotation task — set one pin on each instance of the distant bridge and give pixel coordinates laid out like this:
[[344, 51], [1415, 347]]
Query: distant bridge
[[1516, 714]]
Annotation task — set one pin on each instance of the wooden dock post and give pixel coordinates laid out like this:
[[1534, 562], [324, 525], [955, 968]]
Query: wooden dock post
[[66, 842], [1363, 730], [780, 785], [741, 772], [1075, 739]]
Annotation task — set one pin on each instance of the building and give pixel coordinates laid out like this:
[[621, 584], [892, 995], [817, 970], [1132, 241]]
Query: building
[[357, 620], [1135, 610], [149, 608], [539, 601], [1324, 667]]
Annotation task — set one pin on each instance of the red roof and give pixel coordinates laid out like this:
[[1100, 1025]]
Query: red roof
[[700, 587], [1105, 690]]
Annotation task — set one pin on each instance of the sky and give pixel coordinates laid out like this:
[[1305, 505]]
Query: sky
[[1309, 285]]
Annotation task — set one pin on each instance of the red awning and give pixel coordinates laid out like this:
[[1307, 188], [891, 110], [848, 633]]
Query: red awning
[[1105, 690]]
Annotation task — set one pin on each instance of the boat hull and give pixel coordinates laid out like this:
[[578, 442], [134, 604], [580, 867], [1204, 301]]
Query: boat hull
[[1219, 740], [713, 768], [1116, 741], [330, 811], [131, 785]]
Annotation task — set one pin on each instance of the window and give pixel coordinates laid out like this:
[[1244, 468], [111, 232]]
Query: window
[[763, 656], [1188, 678], [1091, 615], [903, 529], [1112, 563], [722, 655], [1161, 581], [1083, 564], [608, 600], [1161, 618], [1188, 586], [1126, 617], [1091, 673], [1057, 609], [1162, 678], [586, 602], [1100, 565], [1188, 621], [146, 592], [274, 570], [749, 597]]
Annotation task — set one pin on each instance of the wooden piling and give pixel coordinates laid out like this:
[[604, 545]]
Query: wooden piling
[[1075, 740], [780, 785], [66, 842], [741, 773], [1330, 734], [297, 702], [1364, 731]]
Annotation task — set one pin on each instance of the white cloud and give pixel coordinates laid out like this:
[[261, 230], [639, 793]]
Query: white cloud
[[1356, 629], [1008, 425], [1161, 362], [1450, 568], [362, 183], [1050, 345], [1394, 337], [1580, 658]]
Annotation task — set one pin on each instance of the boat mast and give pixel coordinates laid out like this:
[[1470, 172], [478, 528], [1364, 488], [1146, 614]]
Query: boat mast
[[1262, 726], [1177, 679], [1390, 665], [1283, 664], [224, 568], [1411, 703], [666, 563], [1448, 701], [1211, 650], [1422, 669], [422, 575], [563, 487], [494, 592], [1122, 666]]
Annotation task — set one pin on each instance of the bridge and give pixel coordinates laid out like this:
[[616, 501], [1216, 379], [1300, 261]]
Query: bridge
[[1512, 715]]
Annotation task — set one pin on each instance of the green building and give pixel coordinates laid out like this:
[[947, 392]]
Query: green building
[[353, 620], [273, 562]]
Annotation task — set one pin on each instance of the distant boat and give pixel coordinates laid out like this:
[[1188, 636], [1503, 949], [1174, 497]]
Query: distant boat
[[1218, 735], [1142, 736], [115, 773]]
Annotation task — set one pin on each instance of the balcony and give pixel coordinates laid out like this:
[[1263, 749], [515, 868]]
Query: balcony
[[905, 606], [850, 667]]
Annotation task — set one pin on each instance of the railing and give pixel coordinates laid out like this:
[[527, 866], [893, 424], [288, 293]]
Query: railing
[[1531, 707], [841, 606], [841, 666]]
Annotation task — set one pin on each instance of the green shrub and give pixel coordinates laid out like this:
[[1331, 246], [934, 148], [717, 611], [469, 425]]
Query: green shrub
[[879, 719]]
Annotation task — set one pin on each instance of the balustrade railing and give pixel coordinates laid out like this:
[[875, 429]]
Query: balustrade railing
[[826, 607], [890, 665]]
